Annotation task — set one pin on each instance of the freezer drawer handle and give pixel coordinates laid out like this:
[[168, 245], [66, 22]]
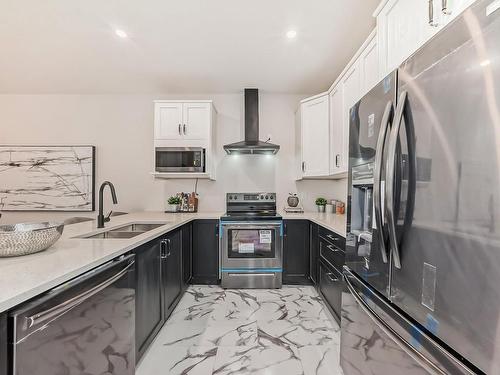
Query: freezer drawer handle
[[75, 301], [417, 356], [377, 186]]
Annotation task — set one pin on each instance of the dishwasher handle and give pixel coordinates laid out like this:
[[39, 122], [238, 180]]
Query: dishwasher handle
[[68, 304]]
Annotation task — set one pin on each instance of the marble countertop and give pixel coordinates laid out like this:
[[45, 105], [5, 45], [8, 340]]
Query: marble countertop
[[22, 278]]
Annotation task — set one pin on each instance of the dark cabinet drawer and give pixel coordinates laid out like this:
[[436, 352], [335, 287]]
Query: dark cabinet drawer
[[335, 239], [331, 253], [330, 286]]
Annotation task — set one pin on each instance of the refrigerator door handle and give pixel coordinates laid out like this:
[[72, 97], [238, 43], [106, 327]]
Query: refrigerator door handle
[[382, 136], [389, 188], [402, 113], [401, 342]]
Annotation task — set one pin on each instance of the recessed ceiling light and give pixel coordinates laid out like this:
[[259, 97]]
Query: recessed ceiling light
[[121, 33], [291, 34], [485, 63]]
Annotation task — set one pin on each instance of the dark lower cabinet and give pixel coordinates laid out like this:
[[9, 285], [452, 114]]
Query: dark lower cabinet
[[205, 252], [314, 253], [148, 304], [330, 287], [296, 252], [187, 254], [171, 270], [3, 344]]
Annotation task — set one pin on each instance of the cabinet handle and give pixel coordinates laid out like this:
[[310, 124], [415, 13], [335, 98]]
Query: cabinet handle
[[332, 238], [431, 14], [332, 248], [163, 249], [184, 129], [169, 247], [180, 132], [217, 230], [337, 158], [444, 7], [332, 279], [284, 230], [303, 166]]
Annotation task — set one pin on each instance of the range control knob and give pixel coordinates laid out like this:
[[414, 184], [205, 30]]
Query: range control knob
[[267, 196], [261, 197]]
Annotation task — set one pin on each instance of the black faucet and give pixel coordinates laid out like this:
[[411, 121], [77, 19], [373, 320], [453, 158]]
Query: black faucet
[[100, 218]]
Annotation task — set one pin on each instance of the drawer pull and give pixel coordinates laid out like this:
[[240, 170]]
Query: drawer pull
[[332, 279], [332, 248], [332, 238]]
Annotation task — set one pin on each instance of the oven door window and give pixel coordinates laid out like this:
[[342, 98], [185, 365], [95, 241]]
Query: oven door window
[[251, 243]]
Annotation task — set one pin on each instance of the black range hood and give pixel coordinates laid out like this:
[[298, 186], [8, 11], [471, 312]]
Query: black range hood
[[251, 144]]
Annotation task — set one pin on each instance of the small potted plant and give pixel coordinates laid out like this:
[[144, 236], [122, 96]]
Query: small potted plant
[[173, 204], [321, 203]]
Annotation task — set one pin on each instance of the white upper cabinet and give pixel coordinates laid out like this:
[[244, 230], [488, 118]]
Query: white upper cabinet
[[315, 139], [322, 138], [403, 26], [369, 64], [338, 132], [182, 121], [168, 120], [196, 120]]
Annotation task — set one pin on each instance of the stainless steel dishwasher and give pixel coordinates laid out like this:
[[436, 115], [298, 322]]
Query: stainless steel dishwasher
[[85, 326]]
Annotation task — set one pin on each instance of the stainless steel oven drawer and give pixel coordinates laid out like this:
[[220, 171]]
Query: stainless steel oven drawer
[[253, 280]]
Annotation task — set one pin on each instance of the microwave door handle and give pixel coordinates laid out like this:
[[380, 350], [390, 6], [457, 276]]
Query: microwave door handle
[[377, 183]]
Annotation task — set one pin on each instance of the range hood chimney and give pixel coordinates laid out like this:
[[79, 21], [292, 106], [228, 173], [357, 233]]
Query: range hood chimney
[[251, 144]]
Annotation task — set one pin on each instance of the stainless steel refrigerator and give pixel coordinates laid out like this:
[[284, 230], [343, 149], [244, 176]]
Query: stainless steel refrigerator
[[423, 234]]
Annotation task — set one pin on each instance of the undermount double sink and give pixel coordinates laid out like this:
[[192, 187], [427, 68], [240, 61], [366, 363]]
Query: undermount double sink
[[125, 231]]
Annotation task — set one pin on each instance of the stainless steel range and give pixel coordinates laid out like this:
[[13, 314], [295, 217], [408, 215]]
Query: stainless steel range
[[251, 242]]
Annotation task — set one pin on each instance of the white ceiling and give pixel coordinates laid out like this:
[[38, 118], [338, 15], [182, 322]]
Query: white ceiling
[[183, 46]]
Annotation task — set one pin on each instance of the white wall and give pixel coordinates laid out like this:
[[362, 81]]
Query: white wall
[[121, 127]]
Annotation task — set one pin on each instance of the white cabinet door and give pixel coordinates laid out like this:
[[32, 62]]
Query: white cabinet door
[[369, 66], [338, 131], [168, 120], [196, 121], [315, 137], [351, 92], [402, 26]]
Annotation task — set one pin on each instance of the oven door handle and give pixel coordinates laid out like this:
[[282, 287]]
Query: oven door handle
[[250, 225]]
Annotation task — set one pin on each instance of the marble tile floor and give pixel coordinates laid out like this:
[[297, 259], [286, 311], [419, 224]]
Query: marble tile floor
[[246, 331]]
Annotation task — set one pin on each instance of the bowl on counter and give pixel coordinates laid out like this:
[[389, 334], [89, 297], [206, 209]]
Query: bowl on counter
[[28, 238]]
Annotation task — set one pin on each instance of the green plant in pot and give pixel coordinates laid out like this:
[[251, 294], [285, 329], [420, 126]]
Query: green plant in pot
[[173, 204], [321, 203]]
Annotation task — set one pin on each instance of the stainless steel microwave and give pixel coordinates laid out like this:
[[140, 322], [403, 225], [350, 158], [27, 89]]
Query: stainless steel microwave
[[180, 159]]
